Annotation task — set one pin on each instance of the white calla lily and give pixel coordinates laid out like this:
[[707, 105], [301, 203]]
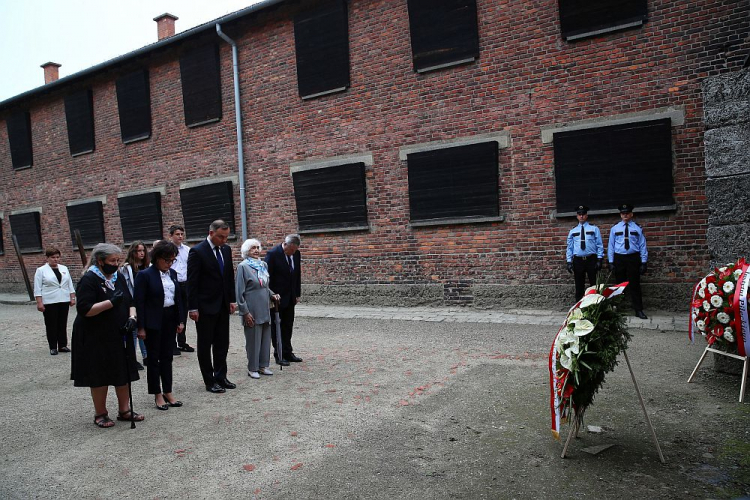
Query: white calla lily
[[590, 300], [582, 327]]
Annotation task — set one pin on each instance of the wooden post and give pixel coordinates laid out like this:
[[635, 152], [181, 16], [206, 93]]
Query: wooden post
[[573, 430], [744, 359], [700, 361], [26, 280], [81, 251], [643, 406]]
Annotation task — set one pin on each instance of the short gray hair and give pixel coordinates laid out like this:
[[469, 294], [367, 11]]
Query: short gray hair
[[245, 249], [100, 252], [292, 239]]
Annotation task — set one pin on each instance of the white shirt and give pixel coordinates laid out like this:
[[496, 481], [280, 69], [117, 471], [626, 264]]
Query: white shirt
[[169, 288], [180, 262]]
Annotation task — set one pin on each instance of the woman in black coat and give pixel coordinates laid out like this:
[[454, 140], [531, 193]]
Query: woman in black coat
[[103, 350], [158, 304]]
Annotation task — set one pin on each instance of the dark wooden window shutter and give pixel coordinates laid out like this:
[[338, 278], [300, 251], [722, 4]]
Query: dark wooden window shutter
[[88, 218], [28, 231], [19, 137], [604, 167], [140, 217], [2, 244], [443, 32], [321, 40], [201, 205], [134, 106], [455, 182], [79, 115], [584, 18], [201, 85], [331, 197]]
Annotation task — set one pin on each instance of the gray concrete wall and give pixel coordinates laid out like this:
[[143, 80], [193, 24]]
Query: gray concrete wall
[[727, 146]]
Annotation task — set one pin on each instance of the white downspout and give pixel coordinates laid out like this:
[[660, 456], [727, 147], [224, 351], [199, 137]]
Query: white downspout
[[238, 120]]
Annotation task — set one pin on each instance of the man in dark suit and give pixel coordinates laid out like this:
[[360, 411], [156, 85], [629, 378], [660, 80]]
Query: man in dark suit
[[211, 299], [286, 280]]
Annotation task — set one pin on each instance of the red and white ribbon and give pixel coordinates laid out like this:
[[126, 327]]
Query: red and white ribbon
[[739, 305]]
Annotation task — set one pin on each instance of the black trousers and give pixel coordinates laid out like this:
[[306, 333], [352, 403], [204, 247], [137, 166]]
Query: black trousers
[[583, 266], [159, 345], [213, 332], [286, 315], [628, 268], [56, 324], [181, 338]]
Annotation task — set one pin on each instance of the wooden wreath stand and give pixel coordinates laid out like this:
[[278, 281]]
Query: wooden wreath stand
[[744, 359], [576, 425]]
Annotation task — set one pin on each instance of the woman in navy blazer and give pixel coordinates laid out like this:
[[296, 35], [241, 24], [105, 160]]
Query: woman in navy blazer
[[158, 309]]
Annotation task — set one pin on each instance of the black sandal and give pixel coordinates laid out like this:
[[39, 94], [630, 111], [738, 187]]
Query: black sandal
[[103, 421], [132, 416]]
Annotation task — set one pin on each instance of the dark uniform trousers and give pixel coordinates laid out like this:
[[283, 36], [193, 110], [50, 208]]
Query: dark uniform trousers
[[181, 338], [213, 329], [583, 266], [628, 268]]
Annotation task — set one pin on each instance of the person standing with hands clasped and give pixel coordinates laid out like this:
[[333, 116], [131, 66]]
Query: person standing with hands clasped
[[54, 293], [284, 267], [585, 251], [211, 299], [628, 255]]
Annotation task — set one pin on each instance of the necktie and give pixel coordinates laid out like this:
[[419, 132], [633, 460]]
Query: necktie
[[291, 265], [583, 238], [627, 237], [220, 259]]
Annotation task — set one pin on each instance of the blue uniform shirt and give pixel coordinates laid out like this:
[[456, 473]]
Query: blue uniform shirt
[[593, 241], [617, 241]]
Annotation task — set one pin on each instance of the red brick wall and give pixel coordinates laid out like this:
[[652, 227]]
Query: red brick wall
[[526, 77]]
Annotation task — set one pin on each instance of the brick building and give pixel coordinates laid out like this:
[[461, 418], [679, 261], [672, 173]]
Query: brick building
[[428, 151]]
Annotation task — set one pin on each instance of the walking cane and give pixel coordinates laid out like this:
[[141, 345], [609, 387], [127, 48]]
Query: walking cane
[[279, 347], [127, 371]]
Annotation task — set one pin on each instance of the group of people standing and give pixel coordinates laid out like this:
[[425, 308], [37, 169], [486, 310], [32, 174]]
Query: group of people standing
[[152, 295], [627, 253]]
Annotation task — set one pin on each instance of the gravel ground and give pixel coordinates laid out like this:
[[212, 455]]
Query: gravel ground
[[379, 409]]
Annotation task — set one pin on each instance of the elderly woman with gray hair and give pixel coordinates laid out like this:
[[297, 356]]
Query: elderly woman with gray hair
[[253, 303], [105, 319]]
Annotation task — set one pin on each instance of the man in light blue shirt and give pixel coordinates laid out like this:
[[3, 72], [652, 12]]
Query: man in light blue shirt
[[585, 251], [628, 255]]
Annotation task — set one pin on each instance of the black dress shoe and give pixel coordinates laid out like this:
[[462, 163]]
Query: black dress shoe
[[53, 352], [64, 349], [176, 352], [186, 348], [282, 362], [294, 358], [226, 384], [215, 388], [641, 315], [138, 365]]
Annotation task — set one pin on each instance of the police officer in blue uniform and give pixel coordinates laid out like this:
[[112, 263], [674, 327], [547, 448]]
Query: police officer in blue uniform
[[628, 255], [585, 251]]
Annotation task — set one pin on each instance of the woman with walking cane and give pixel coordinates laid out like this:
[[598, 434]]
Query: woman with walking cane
[[104, 312], [159, 308], [253, 302]]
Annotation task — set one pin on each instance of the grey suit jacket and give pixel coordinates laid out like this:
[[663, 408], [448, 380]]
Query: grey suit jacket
[[252, 297]]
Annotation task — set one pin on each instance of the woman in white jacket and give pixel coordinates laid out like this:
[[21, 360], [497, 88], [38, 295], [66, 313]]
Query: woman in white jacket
[[54, 292]]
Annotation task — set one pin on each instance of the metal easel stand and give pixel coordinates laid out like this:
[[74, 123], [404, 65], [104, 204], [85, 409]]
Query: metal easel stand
[[576, 425], [744, 359]]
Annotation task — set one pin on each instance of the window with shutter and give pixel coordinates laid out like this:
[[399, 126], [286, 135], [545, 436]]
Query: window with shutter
[[140, 217], [443, 33], [201, 205], [79, 115], [201, 85], [2, 244], [88, 218], [606, 166], [19, 137], [28, 231], [134, 106], [333, 197], [587, 18], [456, 182], [321, 40]]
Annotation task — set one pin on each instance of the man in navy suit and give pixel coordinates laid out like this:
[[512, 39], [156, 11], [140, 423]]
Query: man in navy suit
[[211, 299], [286, 280]]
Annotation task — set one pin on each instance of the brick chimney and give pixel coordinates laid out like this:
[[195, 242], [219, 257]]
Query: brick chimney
[[51, 72], [165, 25]]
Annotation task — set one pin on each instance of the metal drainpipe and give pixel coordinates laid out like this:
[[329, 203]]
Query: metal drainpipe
[[238, 120]]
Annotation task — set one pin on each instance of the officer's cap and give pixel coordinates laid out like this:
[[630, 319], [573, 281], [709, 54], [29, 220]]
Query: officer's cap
[[582, 209], [625, 208]]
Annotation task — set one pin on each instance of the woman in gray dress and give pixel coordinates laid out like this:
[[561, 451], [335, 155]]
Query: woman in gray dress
[[253, 302]]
